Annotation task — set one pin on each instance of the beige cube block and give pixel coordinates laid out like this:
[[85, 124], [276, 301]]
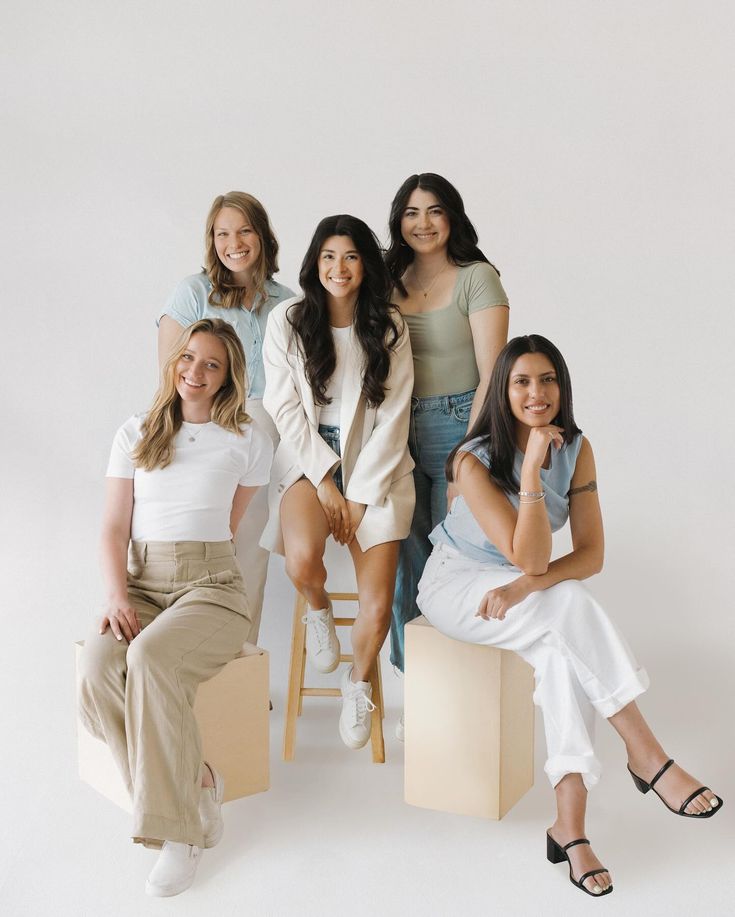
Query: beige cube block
[[469, 724], [233, 717]]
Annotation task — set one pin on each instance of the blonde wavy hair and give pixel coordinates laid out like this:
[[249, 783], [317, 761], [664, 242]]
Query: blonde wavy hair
[[224, 292], [163, 421]]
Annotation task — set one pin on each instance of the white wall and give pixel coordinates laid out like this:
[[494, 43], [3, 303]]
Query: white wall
[[593, 144]]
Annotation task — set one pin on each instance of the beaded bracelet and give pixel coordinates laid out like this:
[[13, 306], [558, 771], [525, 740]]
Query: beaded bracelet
[[531, 493]]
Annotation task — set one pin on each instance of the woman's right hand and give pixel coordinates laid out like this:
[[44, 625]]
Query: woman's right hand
[[335, 509], [122, 619], [539, 440]]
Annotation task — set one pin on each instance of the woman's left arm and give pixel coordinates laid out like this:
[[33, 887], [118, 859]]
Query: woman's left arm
[[588, 544], [489, 335], [372, 475]]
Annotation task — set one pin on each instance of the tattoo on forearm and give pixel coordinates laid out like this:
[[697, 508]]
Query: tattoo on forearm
[[591, 487]]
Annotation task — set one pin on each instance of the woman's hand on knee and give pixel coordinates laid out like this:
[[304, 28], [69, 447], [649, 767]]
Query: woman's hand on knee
[[335, 509], [122, 619], [497, 602]]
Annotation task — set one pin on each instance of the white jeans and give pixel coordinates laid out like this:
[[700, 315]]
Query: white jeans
[[253, 559], [581, 663]]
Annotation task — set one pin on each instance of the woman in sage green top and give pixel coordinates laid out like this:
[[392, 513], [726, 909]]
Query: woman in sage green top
[[457, 313]]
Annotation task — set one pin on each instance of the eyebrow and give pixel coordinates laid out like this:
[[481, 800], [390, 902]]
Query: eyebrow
[[549, 372], [331, 251]]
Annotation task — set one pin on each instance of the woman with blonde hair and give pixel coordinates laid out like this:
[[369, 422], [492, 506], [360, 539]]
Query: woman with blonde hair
[[179, 480], [237, 285]]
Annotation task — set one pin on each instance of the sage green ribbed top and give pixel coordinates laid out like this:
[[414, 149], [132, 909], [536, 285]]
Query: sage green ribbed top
[[443, 355]]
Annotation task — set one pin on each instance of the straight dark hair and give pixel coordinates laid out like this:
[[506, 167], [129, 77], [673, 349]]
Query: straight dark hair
[[374, 320], [495, 424], [462, 246]]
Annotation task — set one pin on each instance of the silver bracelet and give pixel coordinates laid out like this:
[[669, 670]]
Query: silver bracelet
[[534, 500], [531, 493]]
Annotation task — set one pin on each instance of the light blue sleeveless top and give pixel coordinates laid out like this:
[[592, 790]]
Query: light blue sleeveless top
[[461, 530]]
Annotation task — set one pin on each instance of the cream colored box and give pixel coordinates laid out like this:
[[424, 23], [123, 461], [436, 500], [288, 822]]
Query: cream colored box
[[469, 724], [233, 717]]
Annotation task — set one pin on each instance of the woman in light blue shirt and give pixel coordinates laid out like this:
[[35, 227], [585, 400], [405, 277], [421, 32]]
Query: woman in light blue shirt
[[237, 285], [522, 470]]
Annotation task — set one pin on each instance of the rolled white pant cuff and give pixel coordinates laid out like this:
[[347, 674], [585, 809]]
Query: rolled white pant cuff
[[587, 765], [623, 695]]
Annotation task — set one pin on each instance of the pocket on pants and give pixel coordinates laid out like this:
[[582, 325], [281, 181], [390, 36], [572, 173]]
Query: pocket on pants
[[461, 412]]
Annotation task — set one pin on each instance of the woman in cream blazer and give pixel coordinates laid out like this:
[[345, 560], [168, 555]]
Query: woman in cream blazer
[[339, 377]]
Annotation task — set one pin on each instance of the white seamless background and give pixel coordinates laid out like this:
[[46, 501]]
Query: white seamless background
[[593, 144]]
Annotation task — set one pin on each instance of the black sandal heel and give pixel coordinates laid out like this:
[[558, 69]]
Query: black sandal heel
[[645, 787], [555, 853]]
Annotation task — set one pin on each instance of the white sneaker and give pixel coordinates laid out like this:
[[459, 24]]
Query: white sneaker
[[174, 871], [210, 809], [357, 705], [322, 645], [401, 729]]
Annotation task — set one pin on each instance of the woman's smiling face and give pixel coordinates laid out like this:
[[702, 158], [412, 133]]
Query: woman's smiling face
[[236, 242], [201, 370], [424, 224], [533, 390]]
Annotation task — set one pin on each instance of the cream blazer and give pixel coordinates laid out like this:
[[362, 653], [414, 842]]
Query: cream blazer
[[376, 464]]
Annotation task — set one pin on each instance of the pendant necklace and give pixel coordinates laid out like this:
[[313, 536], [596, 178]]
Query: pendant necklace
[[427, 290], [192, 436]]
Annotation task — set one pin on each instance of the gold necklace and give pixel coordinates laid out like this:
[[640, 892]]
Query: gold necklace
[[427, 290]]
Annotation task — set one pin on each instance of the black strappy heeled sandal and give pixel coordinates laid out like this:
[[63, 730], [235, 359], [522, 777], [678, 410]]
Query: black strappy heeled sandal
[[555, 853], [645, 787]]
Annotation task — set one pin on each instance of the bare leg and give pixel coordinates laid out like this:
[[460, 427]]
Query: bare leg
[[376, 575], [646, 757], [305, 533], [571, 805]]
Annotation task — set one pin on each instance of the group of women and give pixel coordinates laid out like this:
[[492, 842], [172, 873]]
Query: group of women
[[355, 402]]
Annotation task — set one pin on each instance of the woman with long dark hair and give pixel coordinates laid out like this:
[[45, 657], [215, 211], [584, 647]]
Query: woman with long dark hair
[[237, 285], [178, 482], [339, 375], [522, 470], [456, 310]]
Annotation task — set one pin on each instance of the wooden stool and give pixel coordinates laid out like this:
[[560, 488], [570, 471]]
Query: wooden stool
[[233, 718], [469, 724], [296, 671]]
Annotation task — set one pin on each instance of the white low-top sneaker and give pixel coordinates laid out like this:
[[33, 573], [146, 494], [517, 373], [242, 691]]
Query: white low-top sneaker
[[401, 729], [174, 871], [357, 705], [322, 645], [210, 809]]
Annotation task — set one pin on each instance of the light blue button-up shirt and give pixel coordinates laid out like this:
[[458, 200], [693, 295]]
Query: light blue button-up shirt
[[189, 302]]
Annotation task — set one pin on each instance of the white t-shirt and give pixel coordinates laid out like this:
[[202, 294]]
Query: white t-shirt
[[329, 413], [191, 499]]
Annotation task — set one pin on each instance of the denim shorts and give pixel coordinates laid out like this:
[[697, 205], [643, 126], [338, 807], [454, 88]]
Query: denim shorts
[[330, 435]]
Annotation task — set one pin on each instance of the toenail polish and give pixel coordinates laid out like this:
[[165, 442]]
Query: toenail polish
[[596, 890], [714, 803]]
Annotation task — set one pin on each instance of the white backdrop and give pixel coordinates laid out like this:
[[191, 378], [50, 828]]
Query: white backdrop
[[593, 144]]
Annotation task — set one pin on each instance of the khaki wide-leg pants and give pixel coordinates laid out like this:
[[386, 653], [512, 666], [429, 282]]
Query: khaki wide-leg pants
[[252, 558], [139, 698]]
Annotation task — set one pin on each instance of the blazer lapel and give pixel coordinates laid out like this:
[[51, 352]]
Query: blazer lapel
[[351, 415]]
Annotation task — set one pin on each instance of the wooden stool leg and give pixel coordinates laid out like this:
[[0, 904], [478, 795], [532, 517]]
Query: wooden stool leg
[[303, 672], [295, 676], [376, 717], [380, 685]]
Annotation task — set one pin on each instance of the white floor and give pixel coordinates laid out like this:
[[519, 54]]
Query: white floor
[[333, 835]]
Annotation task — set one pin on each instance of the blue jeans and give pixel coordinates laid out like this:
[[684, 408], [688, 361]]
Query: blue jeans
[[438, 423], [330, 435]]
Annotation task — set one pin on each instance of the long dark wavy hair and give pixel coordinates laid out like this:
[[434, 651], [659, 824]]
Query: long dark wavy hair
[[462, 246], [496, 425], [374, 321]]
